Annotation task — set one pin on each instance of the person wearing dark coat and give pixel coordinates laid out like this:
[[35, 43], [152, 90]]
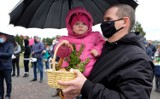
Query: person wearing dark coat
[[27, 52], [123, 71], [36, 52], [6, 51], [157, 69], [15, 61], [148, 50], [152, 47]]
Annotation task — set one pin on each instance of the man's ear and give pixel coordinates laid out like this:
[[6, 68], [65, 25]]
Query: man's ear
[[126, 22]]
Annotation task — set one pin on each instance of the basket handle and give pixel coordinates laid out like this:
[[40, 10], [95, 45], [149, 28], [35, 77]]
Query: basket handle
[[55, 52]]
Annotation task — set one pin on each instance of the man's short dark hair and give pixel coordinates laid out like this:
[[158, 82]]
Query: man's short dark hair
[[125, 10]]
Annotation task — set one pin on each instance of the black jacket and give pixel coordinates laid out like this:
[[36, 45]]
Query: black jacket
[[123, 71], [6, 51], [27, 49]]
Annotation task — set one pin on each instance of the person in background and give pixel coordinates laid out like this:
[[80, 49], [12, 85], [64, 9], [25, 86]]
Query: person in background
[[15, 61], [31, 42], [6, 52], [54, 42], [36, 52], [27, 52], [46, 56], [157, 69], [152, 47], [148, 50], [124, 70], [158, 50]]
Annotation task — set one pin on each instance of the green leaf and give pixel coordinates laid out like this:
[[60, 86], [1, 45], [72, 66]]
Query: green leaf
[[74, 59]]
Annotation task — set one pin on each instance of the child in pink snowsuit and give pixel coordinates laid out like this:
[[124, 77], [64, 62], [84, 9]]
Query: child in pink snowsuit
[[79, 25]]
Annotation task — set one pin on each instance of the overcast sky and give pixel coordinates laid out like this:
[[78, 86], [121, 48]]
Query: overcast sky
[[147, 14]]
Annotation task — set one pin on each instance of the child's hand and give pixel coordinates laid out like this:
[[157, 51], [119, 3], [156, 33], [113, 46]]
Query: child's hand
[[65, 42], [94, 52]]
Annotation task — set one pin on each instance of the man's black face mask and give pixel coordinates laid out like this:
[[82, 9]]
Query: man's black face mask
[[108, 28]]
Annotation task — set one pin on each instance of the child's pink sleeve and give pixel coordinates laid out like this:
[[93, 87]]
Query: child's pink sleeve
[[99, 44]]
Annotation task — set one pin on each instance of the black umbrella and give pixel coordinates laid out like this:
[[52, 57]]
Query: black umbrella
[[52, 13]]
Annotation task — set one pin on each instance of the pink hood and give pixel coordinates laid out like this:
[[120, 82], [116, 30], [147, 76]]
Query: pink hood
[[71, 13]]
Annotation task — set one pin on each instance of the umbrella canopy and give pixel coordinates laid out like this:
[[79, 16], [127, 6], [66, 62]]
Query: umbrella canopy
[[52, 13]]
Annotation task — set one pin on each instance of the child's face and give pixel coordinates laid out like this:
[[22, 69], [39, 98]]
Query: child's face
[[80, 27]]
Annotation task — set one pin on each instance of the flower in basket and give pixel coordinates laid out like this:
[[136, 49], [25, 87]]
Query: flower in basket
[[75, 61]]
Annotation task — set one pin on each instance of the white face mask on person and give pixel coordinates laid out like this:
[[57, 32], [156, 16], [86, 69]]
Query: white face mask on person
[[2, 40]]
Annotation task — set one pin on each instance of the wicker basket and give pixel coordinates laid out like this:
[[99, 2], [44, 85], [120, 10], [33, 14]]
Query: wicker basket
[[54, 76]]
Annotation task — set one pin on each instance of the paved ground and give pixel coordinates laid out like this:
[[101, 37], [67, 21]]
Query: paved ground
[[24, 89], [154, 95]]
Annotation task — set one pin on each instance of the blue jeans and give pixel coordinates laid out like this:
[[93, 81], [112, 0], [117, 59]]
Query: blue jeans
[[39, 63], [157, 82], [5, 75], [47, 64]]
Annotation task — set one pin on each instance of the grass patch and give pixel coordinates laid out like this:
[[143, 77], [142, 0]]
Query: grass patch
[[21, 58]]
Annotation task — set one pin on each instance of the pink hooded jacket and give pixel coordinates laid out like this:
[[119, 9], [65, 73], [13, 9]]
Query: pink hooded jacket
[[91, 40]]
